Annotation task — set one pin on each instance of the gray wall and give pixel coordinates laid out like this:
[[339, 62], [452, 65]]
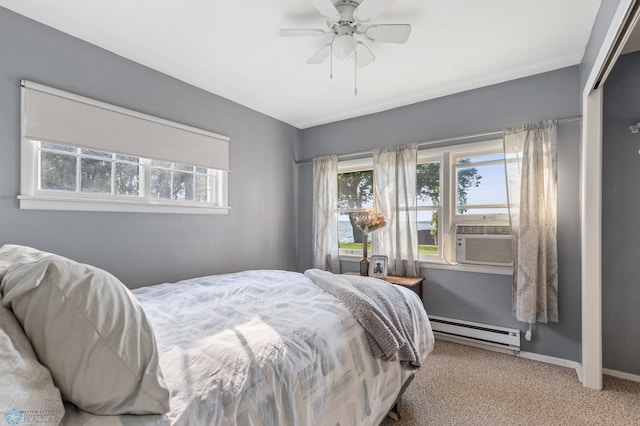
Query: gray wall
[[471, 296], [260, 230], [620, 226]]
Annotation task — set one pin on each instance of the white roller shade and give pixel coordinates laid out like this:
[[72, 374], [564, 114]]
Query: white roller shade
[[55, 116]]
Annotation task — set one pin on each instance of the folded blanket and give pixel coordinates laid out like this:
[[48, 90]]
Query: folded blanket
[[381, 309]]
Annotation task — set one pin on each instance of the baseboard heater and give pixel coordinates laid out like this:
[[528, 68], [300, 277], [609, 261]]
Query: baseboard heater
[[476, 334]]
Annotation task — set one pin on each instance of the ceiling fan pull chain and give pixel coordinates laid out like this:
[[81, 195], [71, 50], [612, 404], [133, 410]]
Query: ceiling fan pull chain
[[355, 74], [331, 62]]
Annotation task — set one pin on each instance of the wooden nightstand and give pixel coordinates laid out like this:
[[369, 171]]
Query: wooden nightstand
[[412, 283]]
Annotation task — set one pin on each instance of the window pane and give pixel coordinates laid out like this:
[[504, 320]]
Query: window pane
[[183, 167], [427, 232], [355, 190], [161, 184], [182, 186], [202, 188], [428, 184], [127, 158], [481, 158], [95, 153], [127, 179], [57, 171], [64, 148], [481, 185], [163, 164], [202, 170], [96, 176], [349, 235]]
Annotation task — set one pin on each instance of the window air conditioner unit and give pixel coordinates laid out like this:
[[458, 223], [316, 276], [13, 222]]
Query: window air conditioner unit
[[483, 244]]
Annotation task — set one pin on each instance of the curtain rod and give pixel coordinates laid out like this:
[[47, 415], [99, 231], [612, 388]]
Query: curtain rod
[[444, 140]]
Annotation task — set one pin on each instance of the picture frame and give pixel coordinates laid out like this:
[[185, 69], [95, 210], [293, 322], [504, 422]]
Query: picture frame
[[378, 266]]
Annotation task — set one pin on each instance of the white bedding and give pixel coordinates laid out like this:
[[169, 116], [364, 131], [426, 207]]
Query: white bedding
[[264, 348]]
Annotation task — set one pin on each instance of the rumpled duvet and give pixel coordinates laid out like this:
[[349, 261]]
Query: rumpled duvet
[[263, 348], [381, 309]]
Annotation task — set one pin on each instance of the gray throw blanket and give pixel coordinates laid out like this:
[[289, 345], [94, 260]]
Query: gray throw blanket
[[381, 309]]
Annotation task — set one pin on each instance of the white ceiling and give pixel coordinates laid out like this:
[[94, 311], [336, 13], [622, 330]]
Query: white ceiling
[[232, 48]]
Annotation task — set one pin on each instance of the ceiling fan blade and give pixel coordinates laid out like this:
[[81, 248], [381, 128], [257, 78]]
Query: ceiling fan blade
[[301, 32], [369, 9], [320, 55], [389, 33], [326, 9], [364, 55]]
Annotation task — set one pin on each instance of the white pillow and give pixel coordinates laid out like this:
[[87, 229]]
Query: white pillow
[[11, 254], [26, 388], [91, 333]]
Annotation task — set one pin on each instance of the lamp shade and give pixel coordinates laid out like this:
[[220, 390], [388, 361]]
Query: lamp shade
[[344, 46]]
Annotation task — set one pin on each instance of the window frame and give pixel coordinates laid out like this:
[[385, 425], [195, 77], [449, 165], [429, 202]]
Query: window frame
[[474, 150], [440, 156], [32, 197], [448, 217]]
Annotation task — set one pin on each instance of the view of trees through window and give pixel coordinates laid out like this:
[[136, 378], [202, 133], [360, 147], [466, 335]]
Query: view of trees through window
[[86, 171], [99, 172], [355, 193], [173, 181], [474, 198]]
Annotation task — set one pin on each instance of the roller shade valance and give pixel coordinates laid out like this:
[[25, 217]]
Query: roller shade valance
[[56, 116]]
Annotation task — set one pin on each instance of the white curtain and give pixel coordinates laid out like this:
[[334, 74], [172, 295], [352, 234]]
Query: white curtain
[[531, 169], [394, 182], [325, 214]]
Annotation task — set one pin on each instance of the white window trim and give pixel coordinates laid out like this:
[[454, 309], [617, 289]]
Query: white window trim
[[433, 155], [356, 165], [28, 202]]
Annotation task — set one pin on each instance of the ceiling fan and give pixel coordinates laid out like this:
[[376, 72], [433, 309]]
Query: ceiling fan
[[346, 20]]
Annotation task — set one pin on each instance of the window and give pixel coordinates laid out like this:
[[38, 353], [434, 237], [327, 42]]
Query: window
[[429, 205], [67, 171], [453, 184], [355, 194], [481, 187], [81, 154], [181, 182]]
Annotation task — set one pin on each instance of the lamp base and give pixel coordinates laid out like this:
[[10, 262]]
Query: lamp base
[[364, 267]]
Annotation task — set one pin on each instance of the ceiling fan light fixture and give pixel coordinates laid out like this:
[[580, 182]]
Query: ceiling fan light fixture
[[344, 46]]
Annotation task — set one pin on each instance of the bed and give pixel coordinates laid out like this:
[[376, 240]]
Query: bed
[[249, 348]]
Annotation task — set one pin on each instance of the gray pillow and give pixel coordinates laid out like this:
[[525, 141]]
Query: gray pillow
[[91, 333]]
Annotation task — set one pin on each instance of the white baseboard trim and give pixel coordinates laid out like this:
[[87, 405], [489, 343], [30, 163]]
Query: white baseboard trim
[[555, 361], [528, 355], [550, 360], [621, 375]]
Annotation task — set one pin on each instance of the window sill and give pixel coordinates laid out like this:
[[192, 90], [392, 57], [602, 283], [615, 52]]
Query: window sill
[[482, 269], [28, 202]]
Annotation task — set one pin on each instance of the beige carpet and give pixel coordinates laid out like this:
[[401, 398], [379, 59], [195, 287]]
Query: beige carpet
[[460, 385]]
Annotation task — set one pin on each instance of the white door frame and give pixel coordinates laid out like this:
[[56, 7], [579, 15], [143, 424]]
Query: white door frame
[[591, 231], [591, 201]]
